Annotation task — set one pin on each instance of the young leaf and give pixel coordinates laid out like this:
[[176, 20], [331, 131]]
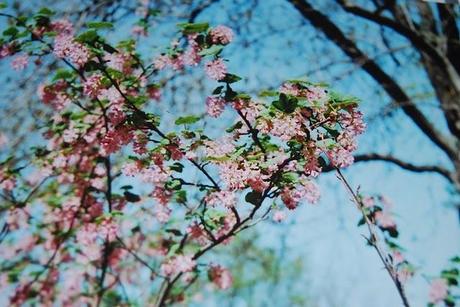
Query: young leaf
[[99, 25], [184, 120]]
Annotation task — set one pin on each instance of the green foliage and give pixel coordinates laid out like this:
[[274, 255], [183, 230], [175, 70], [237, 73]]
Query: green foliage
[[285, 103], [99, 25], [187, 120], [190, 28]]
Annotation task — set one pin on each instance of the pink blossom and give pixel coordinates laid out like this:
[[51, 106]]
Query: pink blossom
[[131, 169], [384, 219], [115, 139], [8, 184], [108, 229], [66, 47], [93, 85], [3, 140], [227, 224], [162, 214], [340, 157], [219, 148], [220, 276], [87, 234], [197, 232], [285, 127], [119, 61], [111, 94], [154, 92], [226, 198], [98, 183], [353, 122], [308, 191], [155, 174], [397, 257], [216, 69], [6, 50], [70, 135], [178, 264], [161, 62], [290, 89], [221, 35], [162, 195], [20, 62], [279, 216], [438, 290], [191, 56], [404, 274], [311, 192], [368, 202], [62, 27], [317, 94], [215, 106], [177, 62], [140, 144], [139, 30], [312, 167], [257, 183]]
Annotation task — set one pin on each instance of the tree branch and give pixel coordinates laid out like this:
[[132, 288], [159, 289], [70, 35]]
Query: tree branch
[[349, 47], [406, 165]]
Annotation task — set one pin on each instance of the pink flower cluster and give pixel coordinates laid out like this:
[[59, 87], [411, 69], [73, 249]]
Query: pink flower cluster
[[438, 290], [308, 191], [221, 35], [216, 69], [93, 85], [66, 47], [178, 264], [20, 62], [55, 95], [220, 276], [215, 106], [225, 198]]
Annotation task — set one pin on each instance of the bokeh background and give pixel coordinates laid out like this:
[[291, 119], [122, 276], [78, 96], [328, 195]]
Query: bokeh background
[[318, 256]]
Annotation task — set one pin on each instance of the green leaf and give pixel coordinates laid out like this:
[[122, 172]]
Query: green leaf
[[11, 31], [190, 28], [361, 222], [268, 93], [131, 197], [230, 78], [285, 103], [238, 125], [63, 74], [181, 196], [455, 259], [126, 187], [3, 5], [45, 12], [175, 232], [218, 90], [99, 25], [253, 197], [184, 120], [213, 50], [177, 167], [174, 184], [89, 36]]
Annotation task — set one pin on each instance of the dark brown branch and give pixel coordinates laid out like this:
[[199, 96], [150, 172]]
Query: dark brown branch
[[411, 35], [405, 165], [349, 47], [450, 30]]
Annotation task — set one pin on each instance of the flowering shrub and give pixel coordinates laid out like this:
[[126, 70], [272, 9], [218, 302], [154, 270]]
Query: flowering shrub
[[111, 202]]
